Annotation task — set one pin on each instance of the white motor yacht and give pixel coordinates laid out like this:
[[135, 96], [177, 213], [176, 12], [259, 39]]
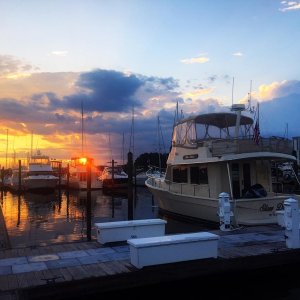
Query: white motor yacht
[[222, 152], [40, 174]]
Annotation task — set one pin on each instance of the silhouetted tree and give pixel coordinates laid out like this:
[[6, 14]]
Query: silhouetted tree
[[145, 160]]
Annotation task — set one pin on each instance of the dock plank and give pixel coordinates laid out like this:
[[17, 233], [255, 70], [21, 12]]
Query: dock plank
[[240, 250], [78, 272], [66, 274], [95, 270], [119, 266], [22, 280], [13, 283], [3, 283], [107, 268]]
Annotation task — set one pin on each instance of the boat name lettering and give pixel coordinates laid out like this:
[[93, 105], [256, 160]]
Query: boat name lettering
[[190, 156], [279, 206], [266, 207]]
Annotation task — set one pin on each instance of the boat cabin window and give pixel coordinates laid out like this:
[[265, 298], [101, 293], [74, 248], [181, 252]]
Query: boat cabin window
[[198, 175], [180, 174]]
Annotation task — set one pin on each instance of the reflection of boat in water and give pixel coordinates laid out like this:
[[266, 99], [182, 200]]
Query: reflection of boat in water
[[214, 153], [40, 174], [78, 174]]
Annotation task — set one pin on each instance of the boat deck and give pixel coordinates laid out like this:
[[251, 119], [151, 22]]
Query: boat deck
[[88, 268]]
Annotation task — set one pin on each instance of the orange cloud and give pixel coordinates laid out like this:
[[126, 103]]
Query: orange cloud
[[279, 89], [197, 93]]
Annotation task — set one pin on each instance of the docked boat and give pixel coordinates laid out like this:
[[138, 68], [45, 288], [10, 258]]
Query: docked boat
[[140, 178], [222, 152], [40, 174], [78, 178], [113, 178], [17, 179]]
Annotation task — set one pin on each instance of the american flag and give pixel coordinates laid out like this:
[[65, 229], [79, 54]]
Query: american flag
[[256, 133]]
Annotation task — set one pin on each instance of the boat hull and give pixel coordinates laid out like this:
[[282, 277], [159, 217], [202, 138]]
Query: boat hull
[[40, 183], [254, 211], [117, 183]]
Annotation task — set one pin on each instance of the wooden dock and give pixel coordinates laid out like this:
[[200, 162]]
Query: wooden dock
[[246, 257]]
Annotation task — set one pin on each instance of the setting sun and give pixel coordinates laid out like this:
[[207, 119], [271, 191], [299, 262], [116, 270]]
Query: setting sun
[[83, 160]]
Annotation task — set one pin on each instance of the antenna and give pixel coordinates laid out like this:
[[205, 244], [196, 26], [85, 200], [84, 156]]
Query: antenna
[[249, 99], [232, 91], [158, 136], [109, 144], [250, 108], [286, 131], [131, 144], [81, 128]]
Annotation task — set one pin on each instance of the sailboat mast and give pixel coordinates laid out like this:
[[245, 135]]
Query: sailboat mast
[[133, 133], [159, 148], [6, 148], [82, 129], [123, 152], [31, 146], [232, 91]]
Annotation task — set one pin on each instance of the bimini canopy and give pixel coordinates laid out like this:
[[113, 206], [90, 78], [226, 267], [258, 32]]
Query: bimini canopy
[[220, 120], [213, 125]]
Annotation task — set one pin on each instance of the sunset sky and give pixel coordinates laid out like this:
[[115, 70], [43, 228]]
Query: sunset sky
[[113, 56]]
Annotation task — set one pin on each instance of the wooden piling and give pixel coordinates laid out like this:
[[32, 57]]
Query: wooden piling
[[20, 177], [88, 201]]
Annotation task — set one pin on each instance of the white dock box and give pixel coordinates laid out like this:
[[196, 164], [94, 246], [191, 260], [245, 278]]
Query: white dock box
[[280, 217], [173, 248], [124, 230]]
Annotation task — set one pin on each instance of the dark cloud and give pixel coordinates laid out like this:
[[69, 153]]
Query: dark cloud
[[105, 91], [13, 109], [101, 92], [212, 78]]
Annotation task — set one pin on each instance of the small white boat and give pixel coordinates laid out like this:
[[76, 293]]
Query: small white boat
[[40, 174], [140, 178], [114, 178]]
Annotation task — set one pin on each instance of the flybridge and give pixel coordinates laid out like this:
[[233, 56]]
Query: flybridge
[[189, 131]]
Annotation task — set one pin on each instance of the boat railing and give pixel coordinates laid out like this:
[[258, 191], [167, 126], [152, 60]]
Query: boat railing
[[179, 187], [236, 146], [155, 172]]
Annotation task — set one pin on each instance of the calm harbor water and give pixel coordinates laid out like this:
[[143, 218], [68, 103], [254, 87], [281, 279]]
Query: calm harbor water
[[34, 219], [43, 219]]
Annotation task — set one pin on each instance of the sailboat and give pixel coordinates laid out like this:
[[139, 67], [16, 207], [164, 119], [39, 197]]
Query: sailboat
[[78, 168]]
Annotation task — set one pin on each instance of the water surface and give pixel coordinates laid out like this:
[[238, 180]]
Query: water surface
[[34, 219]]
